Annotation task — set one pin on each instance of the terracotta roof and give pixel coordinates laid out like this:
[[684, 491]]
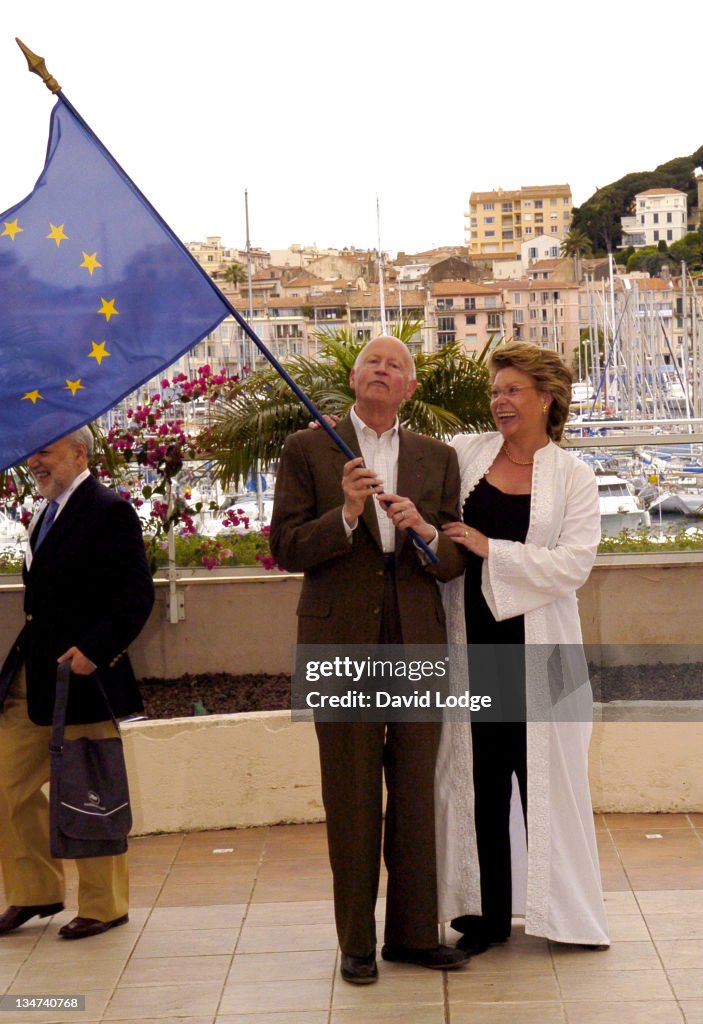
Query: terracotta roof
[[442, 288]]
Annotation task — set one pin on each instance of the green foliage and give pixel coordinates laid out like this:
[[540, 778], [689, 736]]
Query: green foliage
[[10, 562], [577, 243], [599, 217], [228, 550], [689, 249], [587, 349], [234, 274], [255, 419], [650, 258], [674, 539]]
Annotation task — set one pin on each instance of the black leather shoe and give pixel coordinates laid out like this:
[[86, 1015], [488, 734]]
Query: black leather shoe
[[478, 940], [84, 927], [359, 970], [441, 958], [14, 917]]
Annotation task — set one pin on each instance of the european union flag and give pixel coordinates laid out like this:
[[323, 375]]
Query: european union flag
[[97, 294]]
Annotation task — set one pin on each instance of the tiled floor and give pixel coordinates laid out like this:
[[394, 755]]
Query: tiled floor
[[236, 927]]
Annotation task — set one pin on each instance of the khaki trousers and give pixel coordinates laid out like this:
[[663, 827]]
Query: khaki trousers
[[31, 875]]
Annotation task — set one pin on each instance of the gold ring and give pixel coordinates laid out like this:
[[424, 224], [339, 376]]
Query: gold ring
[[466, 533]]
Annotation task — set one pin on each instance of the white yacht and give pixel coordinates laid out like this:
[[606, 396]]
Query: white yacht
[[619, 507]]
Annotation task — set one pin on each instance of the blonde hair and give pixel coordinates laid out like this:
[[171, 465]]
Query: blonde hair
[[548, 373]]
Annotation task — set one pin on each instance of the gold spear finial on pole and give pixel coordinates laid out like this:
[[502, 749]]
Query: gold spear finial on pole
[[37, 65]]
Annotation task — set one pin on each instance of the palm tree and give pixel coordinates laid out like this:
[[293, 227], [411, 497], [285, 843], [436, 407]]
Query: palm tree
[[577, 244], [255, 419], [234, 274]]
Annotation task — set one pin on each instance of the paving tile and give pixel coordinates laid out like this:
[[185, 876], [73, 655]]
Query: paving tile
[[394, 988], [507, 1013], [645, 822], [255, 939], [76, 977], [686, 983], [651, 1012], [692, 1010], [675, 926], [306, 868], [680, 953], [318, 887], [160, 970], [299, 912], [224, 915], [373, 1013], [249, 967], [474, 987], [144, 895], [304, 1017], [671, 901], [191, 942], [276, 996], [186, 1000], [628, 928], [185, 894], [620, 903], [582, 986], [621, 956]]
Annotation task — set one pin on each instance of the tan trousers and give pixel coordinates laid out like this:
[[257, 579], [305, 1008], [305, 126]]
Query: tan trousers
[[31, 875]]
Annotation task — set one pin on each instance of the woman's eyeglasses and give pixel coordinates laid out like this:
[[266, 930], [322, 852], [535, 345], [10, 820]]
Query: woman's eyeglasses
[[511, 391]]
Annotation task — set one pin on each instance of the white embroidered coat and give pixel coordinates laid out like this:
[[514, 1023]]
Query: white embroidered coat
[[561, 895]]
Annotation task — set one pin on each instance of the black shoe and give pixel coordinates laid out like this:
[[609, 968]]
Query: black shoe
[[478, 936], [85, 927], [14, 917], [441, 958], [359, 970]]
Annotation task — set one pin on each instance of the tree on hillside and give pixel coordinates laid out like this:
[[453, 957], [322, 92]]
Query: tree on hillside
[[689, 249], [599, 217]]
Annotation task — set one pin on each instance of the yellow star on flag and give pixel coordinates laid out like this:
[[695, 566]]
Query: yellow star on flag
[[11, 228], [90, 262], [57, 234], [108, 308], [98, 351], [73, 386], [32, 396]]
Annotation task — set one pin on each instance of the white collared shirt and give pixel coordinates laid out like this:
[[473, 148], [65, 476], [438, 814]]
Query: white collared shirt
[[381, 455]]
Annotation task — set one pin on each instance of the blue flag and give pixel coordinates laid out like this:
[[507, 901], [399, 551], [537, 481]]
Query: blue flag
[[97, 294]]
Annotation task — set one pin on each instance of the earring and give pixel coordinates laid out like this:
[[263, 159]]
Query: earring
[[545, 407]]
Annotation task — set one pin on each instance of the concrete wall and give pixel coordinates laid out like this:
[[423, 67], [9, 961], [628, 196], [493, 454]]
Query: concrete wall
[[246, 624], [244, 770]]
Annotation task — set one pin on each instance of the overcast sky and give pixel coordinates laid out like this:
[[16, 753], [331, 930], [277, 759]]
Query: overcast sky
[[317, 107]]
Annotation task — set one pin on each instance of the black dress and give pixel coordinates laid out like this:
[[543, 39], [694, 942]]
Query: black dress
[[497, 667]]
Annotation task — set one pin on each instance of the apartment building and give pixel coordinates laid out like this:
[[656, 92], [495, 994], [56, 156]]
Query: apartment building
[[214, 257], [498, 222], [661, 214], [466, 312]]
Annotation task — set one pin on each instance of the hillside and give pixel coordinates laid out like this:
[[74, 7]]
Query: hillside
[[600, 215]]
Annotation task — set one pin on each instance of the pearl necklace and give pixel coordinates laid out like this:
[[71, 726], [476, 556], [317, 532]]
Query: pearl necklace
[[516, 462]]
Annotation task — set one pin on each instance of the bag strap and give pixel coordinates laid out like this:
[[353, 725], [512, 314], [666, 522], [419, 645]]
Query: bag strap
[[63, 676]]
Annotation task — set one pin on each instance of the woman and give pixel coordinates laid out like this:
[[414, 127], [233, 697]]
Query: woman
[[531, 526]]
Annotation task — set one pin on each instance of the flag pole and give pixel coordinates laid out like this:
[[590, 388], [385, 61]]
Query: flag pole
[[38, 67]]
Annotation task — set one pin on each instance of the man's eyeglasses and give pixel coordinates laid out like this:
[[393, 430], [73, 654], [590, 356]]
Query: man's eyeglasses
[[510, 392]]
